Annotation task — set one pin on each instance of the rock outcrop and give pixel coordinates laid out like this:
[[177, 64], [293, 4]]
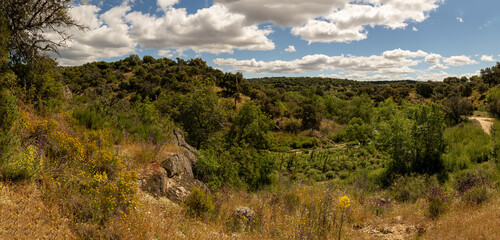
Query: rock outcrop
[[67, 94], [242, 218], [173, 177]]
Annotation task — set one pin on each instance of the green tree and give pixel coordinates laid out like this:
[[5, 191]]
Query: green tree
[[40, 82], [414, 140], [200, 115], [8, 115], [493, 100], [311, 115], [27, 19], [231, 83], [455, 107], [251, 127], [427, 133], [424, 89], [491, 76], [357, 130], [395, 138]]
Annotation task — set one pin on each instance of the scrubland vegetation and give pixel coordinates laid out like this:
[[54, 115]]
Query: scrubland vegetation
[[312, 158]]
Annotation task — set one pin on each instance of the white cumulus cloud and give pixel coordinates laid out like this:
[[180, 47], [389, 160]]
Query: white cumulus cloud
[[280, 12], [350, 23], [290, 48], [120, 31], [165, 4], [211, 29], [106, 37], [486, 58], [394, 62], [459, 61]]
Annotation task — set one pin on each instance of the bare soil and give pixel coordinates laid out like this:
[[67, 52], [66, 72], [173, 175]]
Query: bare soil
[[485, 123]]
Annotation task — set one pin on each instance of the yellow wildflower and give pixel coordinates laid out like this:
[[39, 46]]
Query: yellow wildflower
[[344, 202]]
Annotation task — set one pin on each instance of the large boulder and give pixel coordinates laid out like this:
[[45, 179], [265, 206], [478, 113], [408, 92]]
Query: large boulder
[[177, 165], [154, 180], [182, 186], [173, 177], [188, 150]]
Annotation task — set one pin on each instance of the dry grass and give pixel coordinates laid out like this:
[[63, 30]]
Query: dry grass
[[282, 213], [329, 127], [469, 222], [139, 154], [23, 215]]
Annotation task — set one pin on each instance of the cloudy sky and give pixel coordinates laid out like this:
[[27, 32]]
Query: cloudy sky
[[362, 39]]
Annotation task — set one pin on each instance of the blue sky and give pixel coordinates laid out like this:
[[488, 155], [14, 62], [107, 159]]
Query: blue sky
[[361, 40]]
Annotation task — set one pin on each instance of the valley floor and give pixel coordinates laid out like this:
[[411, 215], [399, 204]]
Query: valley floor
[[282, 214]]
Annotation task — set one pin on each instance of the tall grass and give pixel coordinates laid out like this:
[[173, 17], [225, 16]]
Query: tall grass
[[467, 145]]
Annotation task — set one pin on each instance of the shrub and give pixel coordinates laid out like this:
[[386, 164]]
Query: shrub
[[87, 180], [316, 175], [468, 144], [474, 185], [89, 118], [476, 195], [467, 180], [330, 175], [357, 130], [22, 166], [409, 188], [483, 174], [8, 116], [438, 201], [292, 125], [198, 203], [8, 111]]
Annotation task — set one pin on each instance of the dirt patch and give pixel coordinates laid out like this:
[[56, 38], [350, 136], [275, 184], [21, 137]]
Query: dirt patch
[[485, 122], [394, 231]]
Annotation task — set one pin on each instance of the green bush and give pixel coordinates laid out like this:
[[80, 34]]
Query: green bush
[[210, 170], [22, 166], [237, 167], [438, 202], [292, 125], [330, 175], [89, 118], [467, 145], [8, 116], [466, 180], [476, 195], [357, 130], [409, 188], [8, 111], [316, 175], [198, 203]]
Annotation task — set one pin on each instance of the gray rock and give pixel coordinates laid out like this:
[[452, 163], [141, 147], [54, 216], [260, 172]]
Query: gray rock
[[244, 213], [172, 178], [180, 188], [67, 94], [242, 218], [177, 165], [154, 180], [188, 150]]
